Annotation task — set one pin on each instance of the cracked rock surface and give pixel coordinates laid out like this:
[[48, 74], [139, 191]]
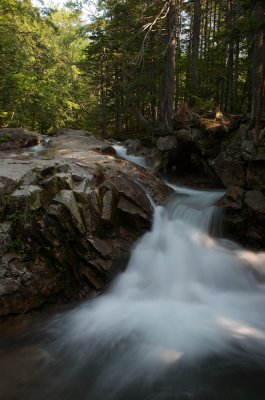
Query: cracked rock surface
[[68, 218]]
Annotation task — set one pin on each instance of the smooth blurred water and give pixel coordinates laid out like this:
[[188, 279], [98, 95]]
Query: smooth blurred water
[[31, 152], [121, 151], [184, 321]]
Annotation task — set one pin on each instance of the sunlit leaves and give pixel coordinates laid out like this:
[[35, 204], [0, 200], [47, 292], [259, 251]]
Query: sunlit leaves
[[39, 75]]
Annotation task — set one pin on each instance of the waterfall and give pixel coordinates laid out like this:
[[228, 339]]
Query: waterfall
[[187, 312], [121, 151], [196, 207]]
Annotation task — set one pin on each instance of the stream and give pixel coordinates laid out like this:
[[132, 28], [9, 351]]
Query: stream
[[121, 151], [184, 321]]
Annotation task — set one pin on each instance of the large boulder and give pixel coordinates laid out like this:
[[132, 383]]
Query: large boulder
[[189, 152], [165, 143], [68, 222], [15, 138], [252, 152], [244, 216], [223, 155], [256, 175], [230, 171], [233, 198], [133, 146], [255, 200]]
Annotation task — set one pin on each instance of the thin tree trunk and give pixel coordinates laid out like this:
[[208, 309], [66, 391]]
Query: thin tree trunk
[[205, 47], [178, 53], [168, 107], [212, 70], [195, 43], [236, 75], [258, 83], [230, 60], [117, 103], [258, 74]]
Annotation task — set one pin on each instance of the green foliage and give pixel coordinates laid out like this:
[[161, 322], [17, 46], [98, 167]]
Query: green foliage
[[55, 71], [40, 82], [126, 61], [124, 68]]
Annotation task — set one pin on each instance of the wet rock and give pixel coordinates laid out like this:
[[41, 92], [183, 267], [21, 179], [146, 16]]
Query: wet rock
[[252, 152], [233, 198], [134, 215], [7, 186], [27, 197], [155, 159], [166, 142], [68, 200], [256, 175], [256, 201], [187, 134], [241, 128], [231, 172], [108, 202], [254, 235], [244, 217], [133, 146], [203, 142], [68, 223], [5, 236], [108, 150], [15, 138]]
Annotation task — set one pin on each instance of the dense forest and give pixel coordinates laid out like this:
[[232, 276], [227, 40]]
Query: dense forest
[[129, 67]]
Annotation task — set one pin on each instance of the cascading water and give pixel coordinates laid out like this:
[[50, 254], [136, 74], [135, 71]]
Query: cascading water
[[37, 151], [196, 208], [184, 321], [121, 151]]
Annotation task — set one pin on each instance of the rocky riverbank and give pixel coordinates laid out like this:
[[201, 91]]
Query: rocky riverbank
[[208, 153], [68, 219], [214, 154], [71, 211]]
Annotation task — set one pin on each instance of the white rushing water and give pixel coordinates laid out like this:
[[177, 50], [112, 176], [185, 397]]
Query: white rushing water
[[182, 292], [121, 151], [184, 297]]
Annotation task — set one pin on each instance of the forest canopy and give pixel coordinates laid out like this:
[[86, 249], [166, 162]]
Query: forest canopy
[[131, 65]]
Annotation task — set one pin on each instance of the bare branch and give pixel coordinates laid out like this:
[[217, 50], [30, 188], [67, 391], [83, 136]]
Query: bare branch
[[149, 27]]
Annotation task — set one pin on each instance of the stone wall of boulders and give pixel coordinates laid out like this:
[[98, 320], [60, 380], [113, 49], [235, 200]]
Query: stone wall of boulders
[[241, 167], [222, 156]]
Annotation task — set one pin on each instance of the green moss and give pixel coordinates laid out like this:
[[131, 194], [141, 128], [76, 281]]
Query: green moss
[[22, 217]]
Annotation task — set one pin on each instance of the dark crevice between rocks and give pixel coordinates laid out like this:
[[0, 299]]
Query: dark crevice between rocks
[[186, 165]]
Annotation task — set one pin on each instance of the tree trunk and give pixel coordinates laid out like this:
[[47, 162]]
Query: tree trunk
[[103, 96], [168, 106], [195, 52], [258, 92], [117, 93], [258, 74], [230, 60]]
